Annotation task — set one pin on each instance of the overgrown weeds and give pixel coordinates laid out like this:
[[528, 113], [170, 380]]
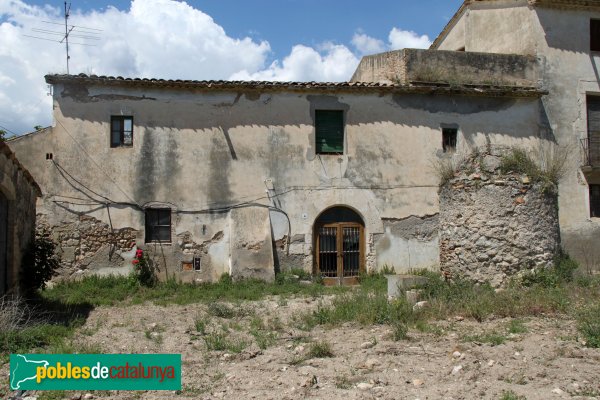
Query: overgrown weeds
[[120, 290], [548, 167], [589, 325], [320, 349]]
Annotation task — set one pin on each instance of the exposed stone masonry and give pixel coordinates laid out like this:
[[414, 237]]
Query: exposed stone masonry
[[495, 226], [79, 242]]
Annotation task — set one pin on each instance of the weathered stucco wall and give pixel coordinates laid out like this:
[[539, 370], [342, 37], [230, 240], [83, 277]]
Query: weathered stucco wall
[[19, 194], [495, 226], [201, 152]]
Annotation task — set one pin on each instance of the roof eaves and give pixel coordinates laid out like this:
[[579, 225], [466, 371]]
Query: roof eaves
[[414, 87]]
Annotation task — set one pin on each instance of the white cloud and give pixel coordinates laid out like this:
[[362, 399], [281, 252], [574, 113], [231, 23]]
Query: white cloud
[[400, 39], [397, 39], [366, 44], [154, 38], [334, 63]]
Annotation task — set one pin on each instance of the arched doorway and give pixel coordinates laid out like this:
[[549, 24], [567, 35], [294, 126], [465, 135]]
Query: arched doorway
[[3, 243], [339, 234]]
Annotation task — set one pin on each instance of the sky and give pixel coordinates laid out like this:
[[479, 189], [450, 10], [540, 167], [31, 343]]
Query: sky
[[283, 40]]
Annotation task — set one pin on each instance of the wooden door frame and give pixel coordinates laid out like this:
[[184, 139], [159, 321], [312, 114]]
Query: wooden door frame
[[340, 279]]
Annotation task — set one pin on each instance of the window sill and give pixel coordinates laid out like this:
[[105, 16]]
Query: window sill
[[161, 243]]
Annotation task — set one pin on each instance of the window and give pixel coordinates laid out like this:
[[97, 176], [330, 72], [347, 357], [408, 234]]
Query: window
[[121, 131], [158, 225], [449, 139], [595, 201], [329, 131], [595, 35], [592, 145]]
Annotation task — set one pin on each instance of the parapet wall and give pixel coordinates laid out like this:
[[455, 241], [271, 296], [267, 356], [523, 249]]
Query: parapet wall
[[451, 67], [495, 226]]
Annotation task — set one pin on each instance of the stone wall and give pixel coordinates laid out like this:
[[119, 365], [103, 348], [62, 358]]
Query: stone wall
[[494, 226], [89, 244], [18, 196]]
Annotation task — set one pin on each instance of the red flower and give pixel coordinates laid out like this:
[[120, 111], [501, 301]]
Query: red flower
[[135, 261], [138, 253]]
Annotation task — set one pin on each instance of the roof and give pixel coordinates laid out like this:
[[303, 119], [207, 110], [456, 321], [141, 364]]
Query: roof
[[270, 86], [578, 4], [5, 149]]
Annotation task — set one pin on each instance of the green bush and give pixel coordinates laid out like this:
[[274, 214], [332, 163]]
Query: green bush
[[39, 264]]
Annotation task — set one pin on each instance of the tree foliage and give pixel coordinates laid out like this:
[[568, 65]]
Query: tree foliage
[[40, 263]]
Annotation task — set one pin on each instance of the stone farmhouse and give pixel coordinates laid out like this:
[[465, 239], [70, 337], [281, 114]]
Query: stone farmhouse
[[246, 178]]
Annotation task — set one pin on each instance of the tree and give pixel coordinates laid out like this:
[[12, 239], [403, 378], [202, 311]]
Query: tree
[[38, 127], [40, 263], [2, 135]]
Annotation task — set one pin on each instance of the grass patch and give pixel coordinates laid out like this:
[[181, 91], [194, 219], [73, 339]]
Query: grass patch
[[320, 349], [494, 339], [510, 395], [120, 290], [516, 326], [221, 342], [589, 325]]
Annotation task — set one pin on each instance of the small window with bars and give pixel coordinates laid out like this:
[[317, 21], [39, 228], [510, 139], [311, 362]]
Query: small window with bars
[[595, 35], [595, 201], [449, 136], [121, 131], [158, 225], [329, 131]]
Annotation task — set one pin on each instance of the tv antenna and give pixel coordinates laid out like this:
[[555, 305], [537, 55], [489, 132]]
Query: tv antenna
[[75, 31]]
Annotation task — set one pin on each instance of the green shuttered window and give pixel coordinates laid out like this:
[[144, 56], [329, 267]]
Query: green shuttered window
[[329, 129]]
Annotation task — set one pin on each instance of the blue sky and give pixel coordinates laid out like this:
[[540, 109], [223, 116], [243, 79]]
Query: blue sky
[[298, 40]]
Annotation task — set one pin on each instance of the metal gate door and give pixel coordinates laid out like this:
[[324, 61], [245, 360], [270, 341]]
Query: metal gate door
[[339, 253], [3, 243]]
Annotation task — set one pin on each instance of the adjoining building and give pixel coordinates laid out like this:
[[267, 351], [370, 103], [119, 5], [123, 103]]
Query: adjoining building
[[18, 195], [246, 178]]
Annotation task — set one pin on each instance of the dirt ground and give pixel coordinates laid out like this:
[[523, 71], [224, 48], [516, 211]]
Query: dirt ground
[[546, 362]]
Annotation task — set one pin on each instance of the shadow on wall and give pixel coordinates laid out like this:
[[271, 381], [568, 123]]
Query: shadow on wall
[[583, 247], [259, 111]]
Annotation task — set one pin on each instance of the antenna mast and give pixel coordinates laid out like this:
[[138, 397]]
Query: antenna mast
[[76, 31], [67, 31]]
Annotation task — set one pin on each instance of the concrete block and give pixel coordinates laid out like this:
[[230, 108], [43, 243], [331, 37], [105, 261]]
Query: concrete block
[[402, 283], [251, 244]]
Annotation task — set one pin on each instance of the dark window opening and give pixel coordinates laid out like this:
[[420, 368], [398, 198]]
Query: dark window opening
[[329, 131], [595, 201], [595, 35], [158, 225], [449, 136], [197, 264], [592, 143], [49, 156], [121, 131]]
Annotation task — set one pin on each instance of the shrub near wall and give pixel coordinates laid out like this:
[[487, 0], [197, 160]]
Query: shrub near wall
[[498, 218]]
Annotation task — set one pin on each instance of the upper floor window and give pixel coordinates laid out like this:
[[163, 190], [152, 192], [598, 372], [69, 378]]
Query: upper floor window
[[158, 225], [121, 131], [329, 131], [449, 136], [592, 142], [595, 35], [595, 201]]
